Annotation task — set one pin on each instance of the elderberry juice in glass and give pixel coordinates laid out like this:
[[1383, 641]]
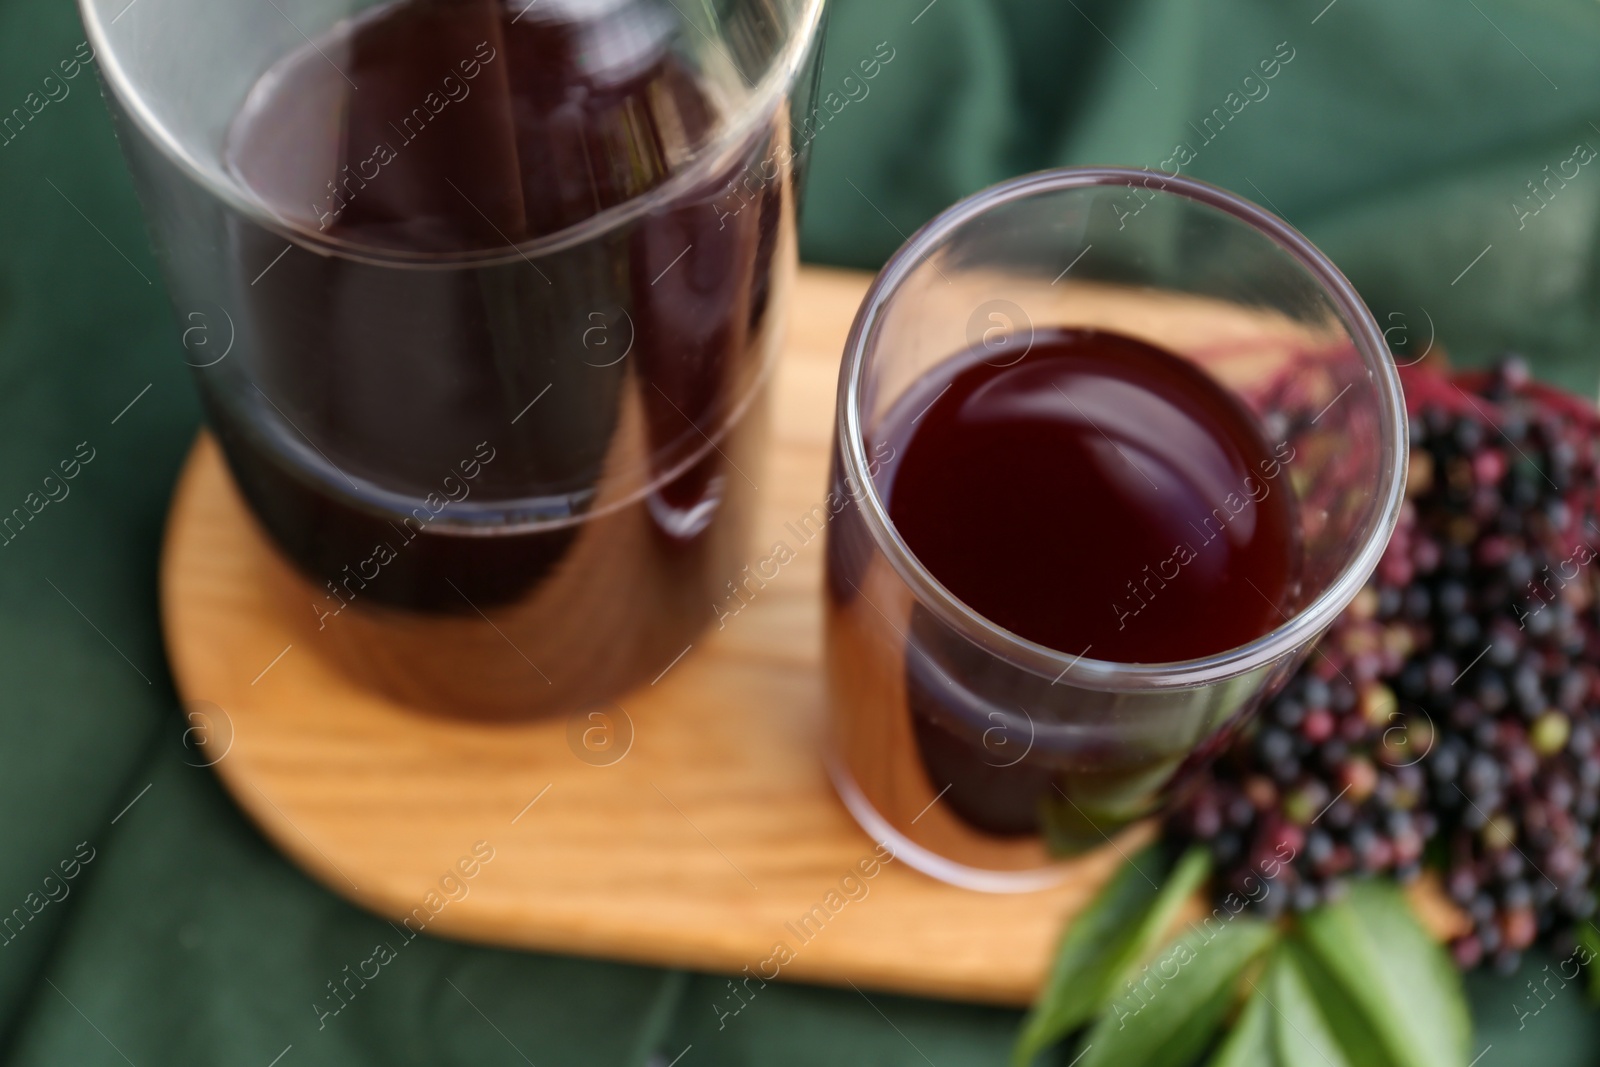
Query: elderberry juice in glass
[[500, 285], [1115, 449]]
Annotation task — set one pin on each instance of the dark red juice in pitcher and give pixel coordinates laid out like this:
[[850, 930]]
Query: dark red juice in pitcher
[[426, 415]]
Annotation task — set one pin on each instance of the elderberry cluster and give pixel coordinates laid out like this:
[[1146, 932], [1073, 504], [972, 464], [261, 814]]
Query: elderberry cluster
[[1450, 719]]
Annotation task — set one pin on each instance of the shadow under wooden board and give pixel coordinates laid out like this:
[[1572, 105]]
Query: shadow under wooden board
[[713, 840]]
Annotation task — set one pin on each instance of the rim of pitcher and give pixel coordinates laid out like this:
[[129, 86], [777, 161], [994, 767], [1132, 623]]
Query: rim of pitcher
[[766, 97]]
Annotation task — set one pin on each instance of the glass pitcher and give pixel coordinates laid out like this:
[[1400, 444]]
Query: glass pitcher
[[488, 293]]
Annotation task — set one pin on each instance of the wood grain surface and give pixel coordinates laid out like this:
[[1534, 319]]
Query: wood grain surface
[[704, 845], [690, 825]]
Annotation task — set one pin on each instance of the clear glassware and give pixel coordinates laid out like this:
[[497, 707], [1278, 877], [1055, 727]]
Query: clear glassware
[[481, 297], [984, 757]]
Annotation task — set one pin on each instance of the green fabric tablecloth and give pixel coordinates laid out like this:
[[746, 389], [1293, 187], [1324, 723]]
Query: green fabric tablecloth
[[1401, 136]]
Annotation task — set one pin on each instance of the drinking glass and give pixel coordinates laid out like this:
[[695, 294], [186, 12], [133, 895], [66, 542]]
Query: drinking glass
[[986, 758], [494, 384]]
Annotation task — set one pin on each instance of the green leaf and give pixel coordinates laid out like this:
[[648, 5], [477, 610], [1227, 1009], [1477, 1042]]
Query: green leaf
[[1589, 941], [1348, 1020], [1249, 1043], [1173, 1011], [1395, 974], [1304, 1036], [1106, 941]]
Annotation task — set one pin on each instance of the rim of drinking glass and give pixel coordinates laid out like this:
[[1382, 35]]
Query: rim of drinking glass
[[1307, 623], [765, 96]]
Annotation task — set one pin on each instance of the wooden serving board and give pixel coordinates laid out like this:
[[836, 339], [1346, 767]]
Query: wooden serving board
[[697, 829], [703, 846]]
